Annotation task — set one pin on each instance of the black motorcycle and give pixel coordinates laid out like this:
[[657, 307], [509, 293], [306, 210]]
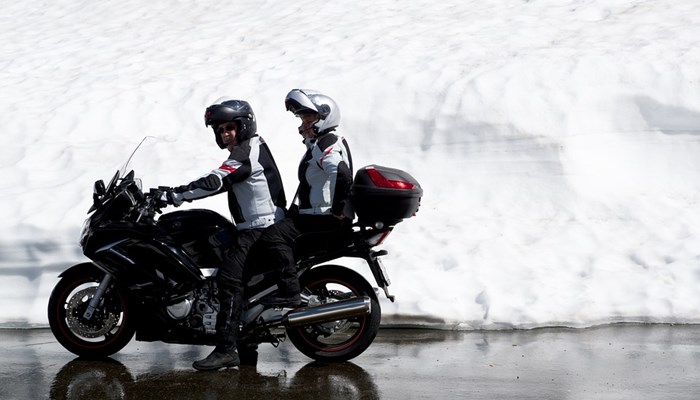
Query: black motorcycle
[[152, 275]]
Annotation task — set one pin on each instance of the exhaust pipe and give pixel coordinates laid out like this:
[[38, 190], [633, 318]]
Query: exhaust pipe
[[329, 312]]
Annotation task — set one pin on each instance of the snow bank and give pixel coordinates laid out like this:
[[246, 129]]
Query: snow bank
[[556, 141]]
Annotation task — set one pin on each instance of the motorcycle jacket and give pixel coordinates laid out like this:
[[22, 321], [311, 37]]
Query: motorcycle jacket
[[255, 193], [325, 177]]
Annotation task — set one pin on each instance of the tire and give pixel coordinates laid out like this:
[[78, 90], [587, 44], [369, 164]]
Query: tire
[[111, 327], [339, 340]]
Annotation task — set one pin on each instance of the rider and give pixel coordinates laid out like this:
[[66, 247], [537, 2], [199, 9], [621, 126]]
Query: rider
[[256, 200], [325, 177]]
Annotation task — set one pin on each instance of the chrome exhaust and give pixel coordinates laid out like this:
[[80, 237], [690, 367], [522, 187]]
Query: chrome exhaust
[[329, 312]]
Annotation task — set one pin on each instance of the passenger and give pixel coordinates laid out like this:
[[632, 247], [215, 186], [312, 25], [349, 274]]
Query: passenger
[[323, 196]]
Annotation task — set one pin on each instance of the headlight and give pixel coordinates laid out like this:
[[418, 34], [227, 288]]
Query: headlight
[[84, 231]]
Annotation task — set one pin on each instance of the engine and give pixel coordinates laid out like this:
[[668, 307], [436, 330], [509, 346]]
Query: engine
[[198, 312]]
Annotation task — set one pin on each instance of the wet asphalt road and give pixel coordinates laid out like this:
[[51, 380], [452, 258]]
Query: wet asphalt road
[[610, 362]]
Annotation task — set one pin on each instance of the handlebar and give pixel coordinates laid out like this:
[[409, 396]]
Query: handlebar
[[151, 204]]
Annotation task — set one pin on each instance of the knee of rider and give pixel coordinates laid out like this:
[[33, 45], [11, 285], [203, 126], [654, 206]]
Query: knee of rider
[[227, 280]]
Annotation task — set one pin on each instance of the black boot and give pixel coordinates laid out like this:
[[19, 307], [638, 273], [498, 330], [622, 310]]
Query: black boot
[[292, 300], [219, 358], [224, 354], [248, 353]]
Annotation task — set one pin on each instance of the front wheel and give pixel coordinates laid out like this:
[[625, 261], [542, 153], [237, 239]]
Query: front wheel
[[112, 324], [339, 340]]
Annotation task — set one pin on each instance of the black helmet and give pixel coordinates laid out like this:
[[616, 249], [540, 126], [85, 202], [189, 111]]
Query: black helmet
[[228, 110]]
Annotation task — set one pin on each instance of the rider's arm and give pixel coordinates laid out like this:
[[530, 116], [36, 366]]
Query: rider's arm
[[236, 169]]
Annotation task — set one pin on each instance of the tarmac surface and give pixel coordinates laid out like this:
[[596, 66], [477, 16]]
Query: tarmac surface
[[624, 361]]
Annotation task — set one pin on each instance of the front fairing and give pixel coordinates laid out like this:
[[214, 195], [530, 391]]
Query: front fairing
[[116, 204], [141, 256]]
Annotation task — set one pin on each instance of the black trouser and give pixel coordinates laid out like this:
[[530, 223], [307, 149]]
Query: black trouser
[[277, 244], [229, 280]]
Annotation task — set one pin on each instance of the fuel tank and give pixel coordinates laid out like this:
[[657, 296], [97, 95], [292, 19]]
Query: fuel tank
[[204, 235]]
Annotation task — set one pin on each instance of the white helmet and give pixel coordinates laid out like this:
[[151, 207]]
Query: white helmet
[[304, 101]]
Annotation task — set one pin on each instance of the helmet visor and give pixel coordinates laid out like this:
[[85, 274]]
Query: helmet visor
[[218, 114], [299, 103]]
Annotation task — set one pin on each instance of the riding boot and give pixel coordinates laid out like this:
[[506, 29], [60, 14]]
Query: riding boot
[[225, 354], [217, 359], [282, 300]]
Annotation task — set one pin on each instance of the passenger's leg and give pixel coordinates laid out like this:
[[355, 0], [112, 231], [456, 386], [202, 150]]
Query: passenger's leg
[[276, 242]]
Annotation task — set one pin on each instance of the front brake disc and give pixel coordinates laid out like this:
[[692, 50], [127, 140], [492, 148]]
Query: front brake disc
[[100, 323]]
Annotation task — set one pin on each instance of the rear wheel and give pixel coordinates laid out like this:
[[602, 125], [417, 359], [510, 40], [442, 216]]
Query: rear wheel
[[112, 324], [339, 340]]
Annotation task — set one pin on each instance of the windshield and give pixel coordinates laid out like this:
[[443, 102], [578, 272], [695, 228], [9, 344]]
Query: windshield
[[139, 160]]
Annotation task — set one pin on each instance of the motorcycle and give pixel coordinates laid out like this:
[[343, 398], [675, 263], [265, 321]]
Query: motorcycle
[[151, 274]]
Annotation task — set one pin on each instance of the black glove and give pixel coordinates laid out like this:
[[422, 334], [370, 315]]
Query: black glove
[[164, 196], [157, 194], [171, 198]]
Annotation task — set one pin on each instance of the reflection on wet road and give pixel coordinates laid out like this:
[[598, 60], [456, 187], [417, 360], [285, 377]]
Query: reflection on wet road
[[619, 361], [83, 379]]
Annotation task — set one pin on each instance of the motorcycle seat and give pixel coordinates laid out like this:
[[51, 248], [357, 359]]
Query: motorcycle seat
[[312, 243]]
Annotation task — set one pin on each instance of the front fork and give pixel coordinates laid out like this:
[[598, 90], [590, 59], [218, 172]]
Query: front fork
[[379, 272], [95, 301]]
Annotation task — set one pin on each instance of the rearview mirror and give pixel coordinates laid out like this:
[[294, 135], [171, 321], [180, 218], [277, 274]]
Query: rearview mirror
[[99, 188]]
